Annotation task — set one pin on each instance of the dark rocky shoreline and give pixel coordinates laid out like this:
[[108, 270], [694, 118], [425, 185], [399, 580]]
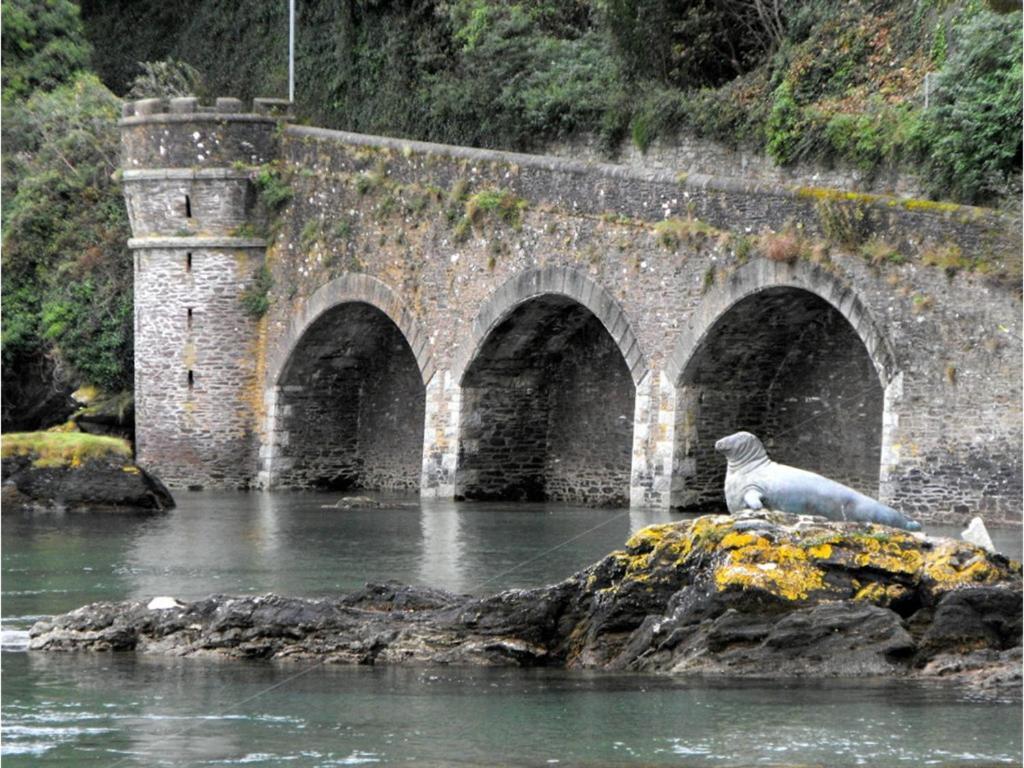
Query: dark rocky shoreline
[[759, 595]]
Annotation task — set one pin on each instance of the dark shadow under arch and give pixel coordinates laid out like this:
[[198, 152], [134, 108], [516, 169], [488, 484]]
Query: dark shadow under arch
[[547, 409]]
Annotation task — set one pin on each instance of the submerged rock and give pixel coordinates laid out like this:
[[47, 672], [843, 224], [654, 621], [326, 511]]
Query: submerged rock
[[365, 502], [73, 469], [718, 595]]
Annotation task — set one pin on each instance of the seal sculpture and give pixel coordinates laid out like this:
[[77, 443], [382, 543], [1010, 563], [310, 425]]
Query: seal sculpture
[[754, 481]]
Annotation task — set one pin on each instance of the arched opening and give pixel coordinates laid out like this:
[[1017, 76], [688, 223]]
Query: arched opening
[[350, 405], [547, 409], [786, 365]]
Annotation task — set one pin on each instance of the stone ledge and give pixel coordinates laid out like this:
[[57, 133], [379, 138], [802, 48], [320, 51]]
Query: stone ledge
[[160, 174], [139, 243], [197, 117]]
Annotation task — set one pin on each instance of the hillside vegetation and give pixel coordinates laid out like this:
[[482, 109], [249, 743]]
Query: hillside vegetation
[[831, 80], [67, 273]]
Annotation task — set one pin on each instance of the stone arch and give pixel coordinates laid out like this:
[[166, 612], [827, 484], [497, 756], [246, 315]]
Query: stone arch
[[347, 392], [350, 288], [790, 353], [761, 274], [559, 281]]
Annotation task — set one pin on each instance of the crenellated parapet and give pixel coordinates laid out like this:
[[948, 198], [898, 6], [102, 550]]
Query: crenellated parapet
[[182, 132], [186, 165]]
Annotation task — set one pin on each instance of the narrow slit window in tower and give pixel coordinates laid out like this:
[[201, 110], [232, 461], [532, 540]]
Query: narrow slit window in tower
[[191, 380], [188, 207], [190, 318], [188, 261]]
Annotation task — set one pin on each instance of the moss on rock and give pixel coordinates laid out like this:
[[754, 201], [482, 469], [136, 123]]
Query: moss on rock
[[64, 449], [76, 469]]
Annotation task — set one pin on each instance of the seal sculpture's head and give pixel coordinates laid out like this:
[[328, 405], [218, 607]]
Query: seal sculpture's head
[[742, 449]]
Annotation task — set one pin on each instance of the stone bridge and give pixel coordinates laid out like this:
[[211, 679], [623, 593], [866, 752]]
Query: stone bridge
[[318, 309]]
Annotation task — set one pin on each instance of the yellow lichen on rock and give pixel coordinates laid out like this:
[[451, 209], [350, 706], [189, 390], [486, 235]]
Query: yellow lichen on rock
[[735, 540], [820, 551], [776, 567], [806, 559], [881, 594], [647, 539], [896, 553], [649, 545], [954, 564]]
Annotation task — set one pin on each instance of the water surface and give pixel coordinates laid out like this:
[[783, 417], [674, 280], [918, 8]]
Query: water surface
[[127, 710]]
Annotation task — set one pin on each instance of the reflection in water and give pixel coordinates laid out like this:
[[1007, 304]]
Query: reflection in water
[[443, 553]]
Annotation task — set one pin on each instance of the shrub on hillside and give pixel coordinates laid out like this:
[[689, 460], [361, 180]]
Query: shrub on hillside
[[973, 131]]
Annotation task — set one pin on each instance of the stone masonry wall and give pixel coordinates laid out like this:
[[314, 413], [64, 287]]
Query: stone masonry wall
[[195, 359], [785, 366], [504, 441], [684, 153], [590, 426], [196, 350], [350, 406], [391, 421]]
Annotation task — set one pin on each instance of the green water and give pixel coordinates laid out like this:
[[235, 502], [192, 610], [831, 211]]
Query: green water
[[124, 710]]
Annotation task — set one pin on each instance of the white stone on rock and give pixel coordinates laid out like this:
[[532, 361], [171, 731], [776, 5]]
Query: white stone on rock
[[163, 603], [976, 533]]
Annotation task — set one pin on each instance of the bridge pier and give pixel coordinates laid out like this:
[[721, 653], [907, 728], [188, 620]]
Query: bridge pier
[[654, 428], [441, 437]]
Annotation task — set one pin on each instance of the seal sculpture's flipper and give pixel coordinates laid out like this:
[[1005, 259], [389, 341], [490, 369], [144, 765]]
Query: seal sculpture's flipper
[[753, 481], [752, 499]]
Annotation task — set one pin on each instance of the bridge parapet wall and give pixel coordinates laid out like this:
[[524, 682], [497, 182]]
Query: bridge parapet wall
[[728, 203]]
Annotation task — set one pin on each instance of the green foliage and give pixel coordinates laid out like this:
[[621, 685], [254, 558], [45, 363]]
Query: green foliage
[[841, 221], [165, 78], [744, 249], [274, 189], [973, 132], [66, 269], [255, 298], [310, 234], [496, 202], [827, 81], [785, 126], [690, 42], [940, 46], [879, 251], [671, 233], [880, 136], [44, 45]]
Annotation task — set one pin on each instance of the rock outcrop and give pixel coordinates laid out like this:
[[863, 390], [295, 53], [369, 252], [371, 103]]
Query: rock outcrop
[[73, 469], [760, 594]]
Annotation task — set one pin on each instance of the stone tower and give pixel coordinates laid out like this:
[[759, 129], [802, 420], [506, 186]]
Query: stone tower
[[193, 212]]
